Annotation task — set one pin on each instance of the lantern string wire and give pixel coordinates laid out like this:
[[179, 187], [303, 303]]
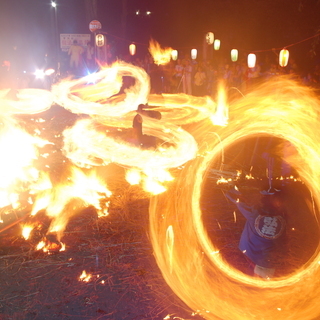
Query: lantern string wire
[[290, 45], [253, 51]]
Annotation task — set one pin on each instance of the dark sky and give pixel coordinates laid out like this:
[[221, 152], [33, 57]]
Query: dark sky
[[248, 25]]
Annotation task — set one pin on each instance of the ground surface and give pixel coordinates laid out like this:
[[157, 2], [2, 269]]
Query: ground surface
[[125, 280]]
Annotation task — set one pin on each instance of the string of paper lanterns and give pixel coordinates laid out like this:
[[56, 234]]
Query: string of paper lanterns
[[210, 40]]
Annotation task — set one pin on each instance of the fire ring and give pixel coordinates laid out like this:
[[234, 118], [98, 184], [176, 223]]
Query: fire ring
[[189, 261]]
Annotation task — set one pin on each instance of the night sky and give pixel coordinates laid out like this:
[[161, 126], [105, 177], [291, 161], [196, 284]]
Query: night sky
[[248, 25]]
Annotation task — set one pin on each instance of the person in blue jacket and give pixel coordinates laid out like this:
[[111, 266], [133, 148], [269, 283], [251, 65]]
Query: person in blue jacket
[[263, 237]]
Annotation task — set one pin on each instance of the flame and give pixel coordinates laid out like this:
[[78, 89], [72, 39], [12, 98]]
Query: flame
[[221, 116], [93, 148], [280, 108], [50, 247], [26, 231], [16, 171], [77, 98], [222, 180], [159, 55], [40, 245], [151, 179], [26, 101], [133, 176], [79, 190], [84, 276]]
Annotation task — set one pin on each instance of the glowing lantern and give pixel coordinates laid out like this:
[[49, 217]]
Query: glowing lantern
[[132, 49], [99, 40], [284, 57], [174, 55], [194, 54], [209, 38], [234, 55], [216, 44], [252, 60]]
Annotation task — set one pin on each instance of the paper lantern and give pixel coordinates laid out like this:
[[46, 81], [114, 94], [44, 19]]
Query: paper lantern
[[234, 55], [174, 55], [209, 38], [193, 54], [216, 44], [252, 60], [284, 57], [99, 40], [132, 49]]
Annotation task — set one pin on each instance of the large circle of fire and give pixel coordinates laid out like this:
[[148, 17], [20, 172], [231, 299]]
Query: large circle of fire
[[190, 262]]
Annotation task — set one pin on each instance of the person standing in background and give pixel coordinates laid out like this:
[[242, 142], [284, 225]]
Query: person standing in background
[[75, 52], [89, 56]]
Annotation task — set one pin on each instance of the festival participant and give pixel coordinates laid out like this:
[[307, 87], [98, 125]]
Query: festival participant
[[137, 126], [138, 138], [89, 54], [200, 82], [178, 72], [75, 52], [263, 237], [187, 77]]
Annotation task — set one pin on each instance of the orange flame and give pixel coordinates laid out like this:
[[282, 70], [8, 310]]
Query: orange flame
[[84, 188], [84, 276], [26, 231], [160, 55], [16, 171]]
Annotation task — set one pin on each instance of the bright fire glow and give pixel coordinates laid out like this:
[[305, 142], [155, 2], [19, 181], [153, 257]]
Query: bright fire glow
[[15, 169], [26, 230]]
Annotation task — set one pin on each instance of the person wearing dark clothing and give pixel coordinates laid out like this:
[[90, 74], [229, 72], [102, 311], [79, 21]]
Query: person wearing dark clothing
[[137, 126], [263, 235]]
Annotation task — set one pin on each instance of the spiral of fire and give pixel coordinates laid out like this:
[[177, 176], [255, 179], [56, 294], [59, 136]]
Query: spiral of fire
[[190, 262]]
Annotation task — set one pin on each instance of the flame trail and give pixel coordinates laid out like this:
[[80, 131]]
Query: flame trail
[[27, 101], [83, 144], [214, 288], [109, 82]]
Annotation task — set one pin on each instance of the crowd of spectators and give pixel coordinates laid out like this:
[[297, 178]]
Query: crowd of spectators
[[185, 75], [200, 78]]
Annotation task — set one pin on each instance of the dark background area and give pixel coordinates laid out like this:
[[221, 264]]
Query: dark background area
[[248, 25]]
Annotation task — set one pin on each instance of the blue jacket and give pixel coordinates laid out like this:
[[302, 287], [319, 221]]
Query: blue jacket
[[262, 234]]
